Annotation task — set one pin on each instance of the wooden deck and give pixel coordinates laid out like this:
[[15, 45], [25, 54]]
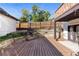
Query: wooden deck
[[36, 47]]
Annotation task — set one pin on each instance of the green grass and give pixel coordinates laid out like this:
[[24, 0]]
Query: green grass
[[11, 35]]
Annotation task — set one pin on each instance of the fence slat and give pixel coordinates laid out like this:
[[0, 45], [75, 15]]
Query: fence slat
[[36, 25]]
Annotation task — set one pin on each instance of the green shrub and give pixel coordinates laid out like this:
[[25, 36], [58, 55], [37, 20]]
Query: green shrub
[[11, 35]]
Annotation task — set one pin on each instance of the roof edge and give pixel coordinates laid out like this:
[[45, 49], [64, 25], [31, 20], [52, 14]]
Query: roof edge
[[59, 7], [2, 11]]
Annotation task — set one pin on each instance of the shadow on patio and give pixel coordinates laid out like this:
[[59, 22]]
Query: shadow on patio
[[33, 44]]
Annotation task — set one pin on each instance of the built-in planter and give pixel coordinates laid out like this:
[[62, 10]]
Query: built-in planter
[[6, 43]]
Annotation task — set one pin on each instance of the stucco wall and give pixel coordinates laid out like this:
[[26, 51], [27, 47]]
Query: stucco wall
[[7, 25], [65, 30]]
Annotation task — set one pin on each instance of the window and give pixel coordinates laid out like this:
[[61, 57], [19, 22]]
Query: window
[[77, 30]]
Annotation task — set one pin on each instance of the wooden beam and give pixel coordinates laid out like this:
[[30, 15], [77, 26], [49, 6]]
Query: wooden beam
[[54, 29], [69, 12]]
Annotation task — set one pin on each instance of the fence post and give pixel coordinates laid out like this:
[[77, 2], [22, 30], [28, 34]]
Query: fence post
[[50, 24], [40, 25], [19, 25]]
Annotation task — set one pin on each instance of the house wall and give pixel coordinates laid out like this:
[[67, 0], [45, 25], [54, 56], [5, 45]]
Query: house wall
[[7, 25], [65, 30], [74, 34], [61, 10], [74, 22]]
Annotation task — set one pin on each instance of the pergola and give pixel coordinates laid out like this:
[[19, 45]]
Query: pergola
[[71, 14]]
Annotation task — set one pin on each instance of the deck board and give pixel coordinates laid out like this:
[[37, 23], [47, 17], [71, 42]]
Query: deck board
[[36, 47]]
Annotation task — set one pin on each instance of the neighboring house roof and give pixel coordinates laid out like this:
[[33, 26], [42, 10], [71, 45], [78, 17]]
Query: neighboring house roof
[[2, 11]]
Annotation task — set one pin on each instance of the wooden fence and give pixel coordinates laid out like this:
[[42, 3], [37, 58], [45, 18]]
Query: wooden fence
[[35, 25]]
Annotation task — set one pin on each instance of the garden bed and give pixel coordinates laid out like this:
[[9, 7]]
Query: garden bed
[[11, 36]]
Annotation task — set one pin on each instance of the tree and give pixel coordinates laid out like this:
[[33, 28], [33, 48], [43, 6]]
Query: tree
[[23, 19], [35, 9], [25, 15], [43, 15], [46, 15], [36, 15]]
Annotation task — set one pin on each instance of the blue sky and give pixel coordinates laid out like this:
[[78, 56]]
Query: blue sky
[[15, 8]]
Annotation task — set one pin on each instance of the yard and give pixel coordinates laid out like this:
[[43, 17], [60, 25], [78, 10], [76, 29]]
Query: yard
[[54, 37]]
